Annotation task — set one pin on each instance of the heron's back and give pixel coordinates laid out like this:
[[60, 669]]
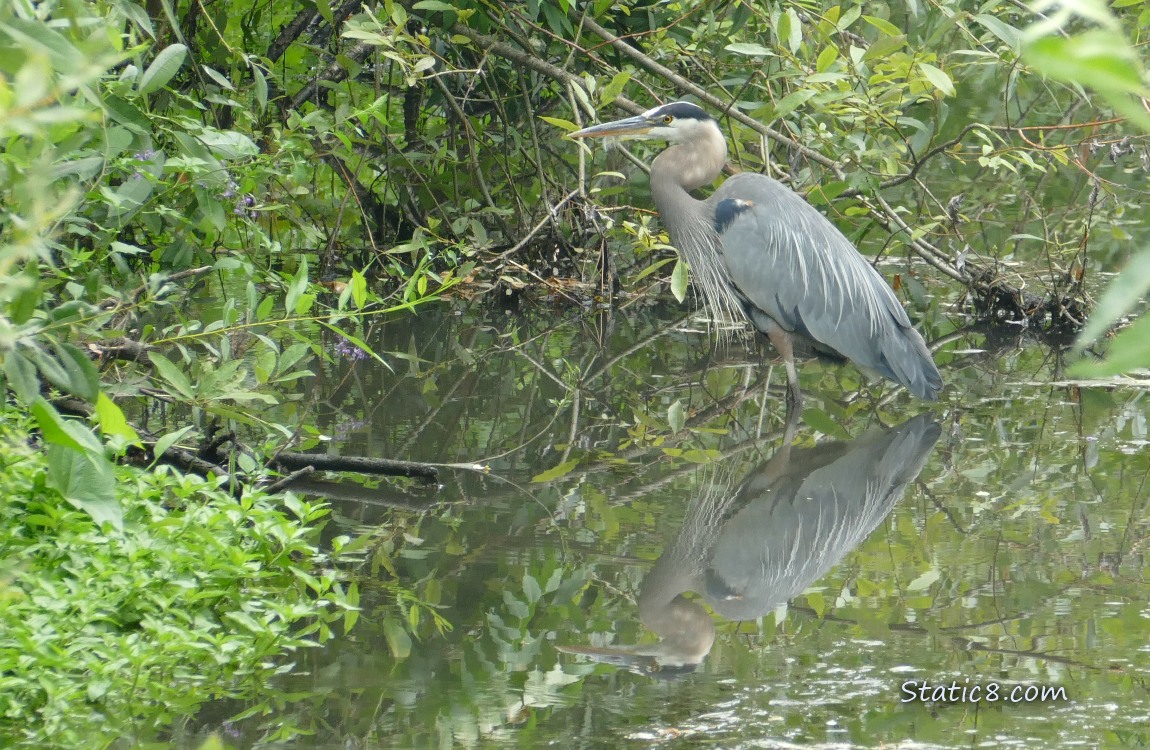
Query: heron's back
[[794, 269]]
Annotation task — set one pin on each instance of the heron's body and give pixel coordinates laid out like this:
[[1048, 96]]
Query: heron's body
[[758, 251]]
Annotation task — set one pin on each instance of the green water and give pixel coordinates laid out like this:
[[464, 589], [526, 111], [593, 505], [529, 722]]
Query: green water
[[632, 460]]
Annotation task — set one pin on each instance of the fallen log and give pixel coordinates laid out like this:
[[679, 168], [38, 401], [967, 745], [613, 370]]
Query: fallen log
[[359, 464]]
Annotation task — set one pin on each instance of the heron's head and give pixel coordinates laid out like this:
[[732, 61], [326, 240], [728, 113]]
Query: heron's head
[[677, 122]]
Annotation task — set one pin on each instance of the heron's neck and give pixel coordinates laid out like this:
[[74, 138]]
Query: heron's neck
[[688, 166], [680, 169], [684, 167]]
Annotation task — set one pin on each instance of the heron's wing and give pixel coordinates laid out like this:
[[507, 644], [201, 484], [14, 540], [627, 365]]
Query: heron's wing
[[791, 264]]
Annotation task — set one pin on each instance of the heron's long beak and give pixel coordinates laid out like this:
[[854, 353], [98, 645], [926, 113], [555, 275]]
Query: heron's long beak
[[631, 126]]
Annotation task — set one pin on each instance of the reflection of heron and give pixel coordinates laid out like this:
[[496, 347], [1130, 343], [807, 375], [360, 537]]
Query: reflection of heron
[[758, 251], [787, 525]]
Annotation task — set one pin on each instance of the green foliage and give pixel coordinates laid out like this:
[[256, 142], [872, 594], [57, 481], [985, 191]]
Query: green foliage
[[1104, 60], [110, 636], [129, 163]]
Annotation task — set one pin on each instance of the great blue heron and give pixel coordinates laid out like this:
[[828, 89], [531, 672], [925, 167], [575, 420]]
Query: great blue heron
[[748, 550], [758, 251]]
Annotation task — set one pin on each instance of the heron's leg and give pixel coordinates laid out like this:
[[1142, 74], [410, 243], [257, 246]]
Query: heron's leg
[[782, 341]]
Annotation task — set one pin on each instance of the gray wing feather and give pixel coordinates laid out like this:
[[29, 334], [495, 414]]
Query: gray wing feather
[[791, 264]]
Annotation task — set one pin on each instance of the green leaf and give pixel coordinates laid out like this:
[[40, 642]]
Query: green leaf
[[351, 614], [218, 77], [652, 268], [679, 280], [112, 420], [558, 471], [21, 374], [1126, 291], [52, 370], [677, 416], [358, 289], [261, 83], [228, 144], [1102, 60], [173, 375], [1009, 35], [531, 588], [883, 25], [924, 581], [795, 27], [822, 422], [88, 481], [54, 429], [165, 442], [560, 123], [296, 289], [398, 641], [435, 5], [83, 377], [939, 79], [884, 46], [1130, 350], [750, 49], [163, 68], [826, 58], [793, 101], [614, 88], [826, 192]]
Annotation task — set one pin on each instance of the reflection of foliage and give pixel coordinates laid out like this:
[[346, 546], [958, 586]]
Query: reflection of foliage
[[1017, 557]]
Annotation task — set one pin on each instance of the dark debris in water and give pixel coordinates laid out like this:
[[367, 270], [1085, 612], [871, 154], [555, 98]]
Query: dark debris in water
[[999, 299]]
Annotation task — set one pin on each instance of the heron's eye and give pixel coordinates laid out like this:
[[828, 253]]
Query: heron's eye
[[667, 119]]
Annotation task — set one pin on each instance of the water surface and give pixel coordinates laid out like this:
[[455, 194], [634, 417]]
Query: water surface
[[644, 562]]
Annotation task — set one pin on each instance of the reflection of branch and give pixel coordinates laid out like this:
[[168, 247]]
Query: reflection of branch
[[544, 369], [590, 377], [573, 433], [944, 510], [384, 496], [973, 645], [966, 643]]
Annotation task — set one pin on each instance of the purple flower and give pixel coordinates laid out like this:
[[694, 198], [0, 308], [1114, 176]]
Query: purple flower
[[348, 350]]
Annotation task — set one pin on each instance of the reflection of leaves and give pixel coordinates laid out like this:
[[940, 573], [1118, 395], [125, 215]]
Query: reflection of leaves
[[822, 422], [924, 581], [676, 416], [557, 471], [679, 280], [398, 641]]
